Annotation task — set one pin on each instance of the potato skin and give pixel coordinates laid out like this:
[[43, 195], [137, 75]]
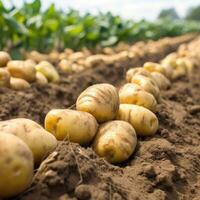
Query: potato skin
[[19, 84], [147, 84], [143, 120], [41, 79], [76, 126], [154, 67], [48, 70], [115, 141], [22, 69], [100, 100], [16, 164], [162, 82], [131, 93], [65, 65], [4, 78], [4, 58], [137, 71], [38, 139]]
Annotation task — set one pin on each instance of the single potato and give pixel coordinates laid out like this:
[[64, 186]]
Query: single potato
[[41, 79], [147, 84], [76, 126], [154, 67], [100, 100], [132, 93], [36, 56], [162, 82], [22, 69], [143, 120], [115, 141], [4, 78], [38, 139], [137, 71], [16, 164], [65, 65], [19, 84], [48, 70], [4, 58], [180, 69]]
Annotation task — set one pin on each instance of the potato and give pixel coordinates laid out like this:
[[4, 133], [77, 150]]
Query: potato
[[115, 141], [48, 70], [100, 100], [143, 120], [180, 69], [77, 68], [19, 84], [65, 65], [41, 79], [162, 82], [131, 93], [96, 60], [36, 56], [4, 78], [154, 67], [53, 56], [147, 84], [16, 164], [72, 125], [137, 71], [38, 139], [4, 58], [22, 69], [76, 56]]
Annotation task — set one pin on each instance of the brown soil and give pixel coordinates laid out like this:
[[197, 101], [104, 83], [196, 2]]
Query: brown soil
[[164, 167]]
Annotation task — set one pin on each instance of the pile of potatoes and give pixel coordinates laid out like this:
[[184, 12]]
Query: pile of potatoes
[[24, 144], [19, 75]]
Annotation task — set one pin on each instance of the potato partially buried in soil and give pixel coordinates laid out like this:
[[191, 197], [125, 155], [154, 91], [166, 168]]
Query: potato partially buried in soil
[[115, 141], [100, 100], [72, 125], [38, 139], [143, 120], [4, 78], [16, 165], [132, 93]]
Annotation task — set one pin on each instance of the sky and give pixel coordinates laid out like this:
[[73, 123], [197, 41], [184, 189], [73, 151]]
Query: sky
[[131, 9]]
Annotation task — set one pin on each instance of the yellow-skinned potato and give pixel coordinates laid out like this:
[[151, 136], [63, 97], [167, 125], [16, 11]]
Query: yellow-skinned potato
[[147, 84], [4, 58], [77, 68], [41, 79], [48, 70], [22, 69], [100, 100], [180, 69], [76, 126], [16, 164], [115, 141], [19, 84], [65, 65], [189, 64], [137, 71], [143, 120], [162, 82], [38, 139], [132, 93], [36, 56], [4, 78], [154, 67]]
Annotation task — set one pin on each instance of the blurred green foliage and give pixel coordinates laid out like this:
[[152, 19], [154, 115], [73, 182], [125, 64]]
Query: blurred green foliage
[[31, 28]]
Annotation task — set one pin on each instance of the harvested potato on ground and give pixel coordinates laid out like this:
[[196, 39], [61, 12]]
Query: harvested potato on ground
[[162, 82], [19, 84], [48, 70], [132, 93], [36, 56], [154, 67], [143, 120], [38, 139], [94, 60], [147, 84], [65, 65], [53, 56], [100, 100], [16, 164], [137, 71], [4, 58], [115, 141], [41, 79], [180, 69], [77, 68], [4, 78], [22, 69], [76, 126], [76, 56]]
